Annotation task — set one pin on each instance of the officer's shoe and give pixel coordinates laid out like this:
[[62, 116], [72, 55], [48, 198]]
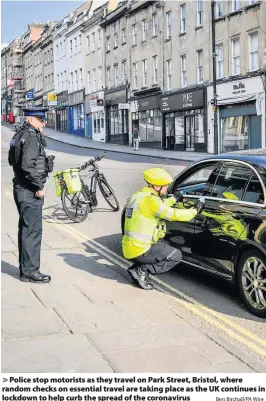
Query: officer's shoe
[[37, 278], [141, 276]]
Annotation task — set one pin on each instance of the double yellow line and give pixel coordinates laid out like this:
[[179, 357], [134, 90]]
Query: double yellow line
[[233, 330], [216, 319]]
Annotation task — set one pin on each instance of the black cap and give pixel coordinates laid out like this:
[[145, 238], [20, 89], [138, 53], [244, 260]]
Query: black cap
[[39, 112]]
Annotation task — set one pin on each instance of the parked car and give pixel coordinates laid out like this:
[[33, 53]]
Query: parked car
[[228, 238]]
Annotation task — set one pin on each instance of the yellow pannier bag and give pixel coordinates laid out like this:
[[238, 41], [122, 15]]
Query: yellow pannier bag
[[72, 180], [58, 178]]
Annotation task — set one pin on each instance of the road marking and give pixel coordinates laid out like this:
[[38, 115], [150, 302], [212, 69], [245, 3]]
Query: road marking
[[197, 307], [188, 302]]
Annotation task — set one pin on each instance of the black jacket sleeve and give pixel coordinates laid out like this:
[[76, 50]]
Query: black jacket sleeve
[[29, 161]]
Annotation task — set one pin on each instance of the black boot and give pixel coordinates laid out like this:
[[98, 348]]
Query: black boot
[[37, 278], [140, 275]]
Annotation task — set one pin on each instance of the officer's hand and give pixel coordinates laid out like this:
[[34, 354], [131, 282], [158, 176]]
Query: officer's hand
[[199, 205], [40, 194]]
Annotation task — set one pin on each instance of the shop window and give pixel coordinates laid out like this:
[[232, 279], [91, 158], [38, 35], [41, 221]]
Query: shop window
[[234, 133], [117, 121], [149, 123]]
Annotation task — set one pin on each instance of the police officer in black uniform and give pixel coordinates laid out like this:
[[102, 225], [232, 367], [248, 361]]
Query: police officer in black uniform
[[31, 166]]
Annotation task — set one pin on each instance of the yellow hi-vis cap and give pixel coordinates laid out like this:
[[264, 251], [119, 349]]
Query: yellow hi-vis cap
[[157, 176]]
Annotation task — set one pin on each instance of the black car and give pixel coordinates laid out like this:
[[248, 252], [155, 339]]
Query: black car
[[228, 238]]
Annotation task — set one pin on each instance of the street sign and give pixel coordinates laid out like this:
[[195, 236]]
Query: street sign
[[52, 99], [123, 106], [30, 95]]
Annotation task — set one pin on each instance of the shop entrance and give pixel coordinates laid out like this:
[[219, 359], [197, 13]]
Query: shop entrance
[[190, 133]]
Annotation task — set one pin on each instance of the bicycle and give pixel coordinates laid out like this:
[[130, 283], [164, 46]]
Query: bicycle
[[83, 202]]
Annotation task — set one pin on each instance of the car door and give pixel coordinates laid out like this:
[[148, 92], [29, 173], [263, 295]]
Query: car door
[[195, 182], [235, 200]]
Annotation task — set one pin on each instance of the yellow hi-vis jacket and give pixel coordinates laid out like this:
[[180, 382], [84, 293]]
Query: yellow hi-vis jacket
[[144, 224]]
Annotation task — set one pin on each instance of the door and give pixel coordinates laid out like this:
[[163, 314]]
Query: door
[[194, 183], [255, 132], [89, 126], [170, 131], [236, 198], [190, 133]]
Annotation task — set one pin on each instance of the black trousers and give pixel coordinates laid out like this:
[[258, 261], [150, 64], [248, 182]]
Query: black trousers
[[29, 229], [160, 258]]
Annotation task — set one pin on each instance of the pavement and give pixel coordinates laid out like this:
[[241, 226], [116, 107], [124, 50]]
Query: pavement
[[89, 143], [92, 319]]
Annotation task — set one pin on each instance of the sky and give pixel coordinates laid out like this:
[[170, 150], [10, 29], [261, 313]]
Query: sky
[[16, 15]]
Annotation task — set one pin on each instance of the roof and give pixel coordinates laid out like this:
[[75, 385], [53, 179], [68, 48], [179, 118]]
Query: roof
[[252, 156]]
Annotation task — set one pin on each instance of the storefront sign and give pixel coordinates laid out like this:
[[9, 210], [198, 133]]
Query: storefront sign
[[62, 99], [238, 88], [30, 95], [123, 106], [149, 103], [76, 98], [52, 99], [38, 102], [10, 83], [133, 106], [182, 101]]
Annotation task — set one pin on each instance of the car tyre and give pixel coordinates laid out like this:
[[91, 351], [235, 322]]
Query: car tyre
[[251, 282]]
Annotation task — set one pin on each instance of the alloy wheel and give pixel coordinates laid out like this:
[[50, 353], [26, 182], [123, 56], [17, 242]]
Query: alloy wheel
[[254, 282]]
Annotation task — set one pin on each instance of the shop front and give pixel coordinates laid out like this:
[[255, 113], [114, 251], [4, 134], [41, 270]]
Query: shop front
[[184, 121], [95, 116], [147, 118], [76, 113], [50, 101], [241, 114], [62, 112], [117, 112]]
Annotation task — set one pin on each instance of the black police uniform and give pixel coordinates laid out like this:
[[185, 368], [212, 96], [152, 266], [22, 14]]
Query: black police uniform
[[28, 158]]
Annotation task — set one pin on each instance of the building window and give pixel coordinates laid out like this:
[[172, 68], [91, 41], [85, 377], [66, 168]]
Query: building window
[[134, 34], [123, 35], [72, 81], [65, 79], [234, 133], [144, 73], [108, 43], [154, 24], [254, 51], [64, 47], [100, 72], [76, 80], [144, 30], [61, 81], [117, 121], [235, 5], [57, 52], [124, 72], [80, 43], [155, 69], [48, 57], [89, 82], [149, 124], [115, 40], [183, 27], [199, 66], [108, 77], [183, 71], [94, 79], [71, 48], [169, 74], [219, 9], [76, 45], [58, 82], [88, 43], [80, 78], [93, 42], [99, 38], [169, 25], [116, 74], [220, 60], [135, 75], [236, 56], [199, 12]]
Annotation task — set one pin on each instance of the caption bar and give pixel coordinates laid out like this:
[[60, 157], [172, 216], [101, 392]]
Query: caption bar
[[139, 387]]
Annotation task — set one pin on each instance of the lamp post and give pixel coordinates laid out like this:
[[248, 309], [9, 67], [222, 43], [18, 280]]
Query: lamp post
[[214, 100]]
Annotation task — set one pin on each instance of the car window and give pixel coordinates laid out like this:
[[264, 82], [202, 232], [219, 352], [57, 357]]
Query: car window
[[232, 181], [197, 183], [254, 191]]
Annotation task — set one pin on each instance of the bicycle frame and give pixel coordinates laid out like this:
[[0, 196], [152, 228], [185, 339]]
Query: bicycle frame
[[94, 176]]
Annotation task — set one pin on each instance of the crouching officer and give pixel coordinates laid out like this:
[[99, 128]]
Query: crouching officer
[[31, 166], [145, 226]]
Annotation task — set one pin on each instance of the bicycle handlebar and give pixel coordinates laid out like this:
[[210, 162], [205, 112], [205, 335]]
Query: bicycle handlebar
[[91, 162]]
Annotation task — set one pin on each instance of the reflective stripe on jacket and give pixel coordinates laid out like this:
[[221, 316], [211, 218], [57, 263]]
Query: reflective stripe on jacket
[[144, 221]]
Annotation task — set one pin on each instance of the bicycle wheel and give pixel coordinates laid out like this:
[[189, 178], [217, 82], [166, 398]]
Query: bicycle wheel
[[108, 194], [76, 205]]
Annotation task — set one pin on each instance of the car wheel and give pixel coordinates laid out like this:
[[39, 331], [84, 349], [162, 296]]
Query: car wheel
[[251, 281]]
